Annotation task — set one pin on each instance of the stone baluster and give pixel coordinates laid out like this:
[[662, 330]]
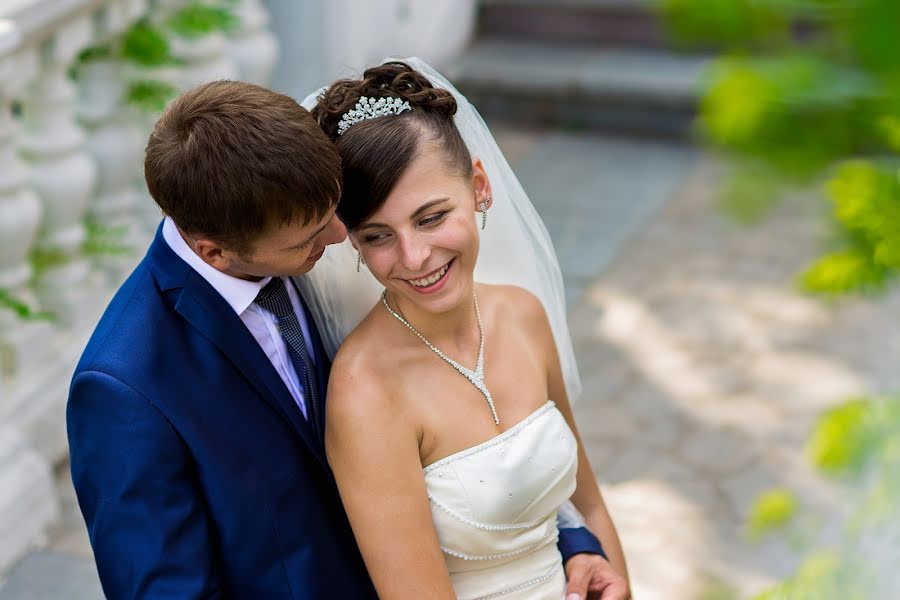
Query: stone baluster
[[22, 343], [64, 176], [28, 501], [252, 47], [115, 141], [205, 59]]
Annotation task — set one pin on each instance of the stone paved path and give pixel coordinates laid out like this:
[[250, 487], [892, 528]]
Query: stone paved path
[[702, 369]]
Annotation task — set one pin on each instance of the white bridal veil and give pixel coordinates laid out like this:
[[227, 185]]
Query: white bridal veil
[[515, 248]]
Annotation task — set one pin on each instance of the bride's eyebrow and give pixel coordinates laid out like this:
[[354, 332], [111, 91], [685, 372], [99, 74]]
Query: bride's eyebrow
[[418, 212]]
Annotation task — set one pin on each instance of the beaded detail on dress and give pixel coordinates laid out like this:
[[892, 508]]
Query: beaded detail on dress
[[494, 507]]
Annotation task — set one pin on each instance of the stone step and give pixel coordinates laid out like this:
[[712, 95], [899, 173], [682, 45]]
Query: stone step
[[648, 92], [629, 23]]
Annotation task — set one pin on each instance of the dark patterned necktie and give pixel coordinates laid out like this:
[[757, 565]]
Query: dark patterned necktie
[[274, 298]]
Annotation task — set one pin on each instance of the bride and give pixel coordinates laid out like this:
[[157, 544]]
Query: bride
[[456, 456]]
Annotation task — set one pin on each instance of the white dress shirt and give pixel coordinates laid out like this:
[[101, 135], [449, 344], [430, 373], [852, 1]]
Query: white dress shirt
[[240, 295]]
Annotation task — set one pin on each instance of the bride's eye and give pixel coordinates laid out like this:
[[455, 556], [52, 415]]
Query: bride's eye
[[433, 219], [375, 238]]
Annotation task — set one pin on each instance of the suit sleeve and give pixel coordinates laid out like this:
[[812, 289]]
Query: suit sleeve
[[138, 493], [575, 540]]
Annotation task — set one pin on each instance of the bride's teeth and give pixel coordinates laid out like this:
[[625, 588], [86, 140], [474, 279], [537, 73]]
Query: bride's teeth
[[426, 281]]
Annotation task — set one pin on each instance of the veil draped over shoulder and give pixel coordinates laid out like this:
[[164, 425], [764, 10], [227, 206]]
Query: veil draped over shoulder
[[515, 248]]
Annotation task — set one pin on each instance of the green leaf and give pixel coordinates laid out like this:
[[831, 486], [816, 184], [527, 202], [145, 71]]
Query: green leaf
[[105, 241], [773, 509], [844, 272], [198, 20], [840, 441], [725, 23], [21, 309], [43, 259], [145, 45], [150, 96]]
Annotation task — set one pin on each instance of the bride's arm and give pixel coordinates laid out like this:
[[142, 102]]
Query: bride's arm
[[587, 498], [373, 450]]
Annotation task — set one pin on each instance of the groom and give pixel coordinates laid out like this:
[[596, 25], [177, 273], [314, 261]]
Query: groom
[[196, 413]]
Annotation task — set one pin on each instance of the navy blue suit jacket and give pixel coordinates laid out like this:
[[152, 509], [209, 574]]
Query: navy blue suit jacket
[[196, 472]]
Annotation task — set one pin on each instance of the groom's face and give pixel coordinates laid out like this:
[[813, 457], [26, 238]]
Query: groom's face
[[285, 250]]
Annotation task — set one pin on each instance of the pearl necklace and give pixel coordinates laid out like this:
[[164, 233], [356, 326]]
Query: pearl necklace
[[476, 377]]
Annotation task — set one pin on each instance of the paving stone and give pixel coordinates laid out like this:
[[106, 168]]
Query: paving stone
[[585, 190], [663, 534], [717, 452], [70, 535], [804, 381], [52, 576], [647, 403], [605, 421]]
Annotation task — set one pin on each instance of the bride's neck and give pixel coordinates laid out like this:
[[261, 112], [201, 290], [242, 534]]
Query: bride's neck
[[455, 327]]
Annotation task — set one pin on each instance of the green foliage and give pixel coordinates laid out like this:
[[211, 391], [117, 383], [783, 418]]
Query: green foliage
[[798, 107], [859, 441], [849, 436], [866, 206], [751, 191], [725, 23], [843, 272], [771, 510], [197, 20], [105, 241], [824, 575], [150, 96], [146, 45], [42, 260], [21, 309], [90, 53], [839, 442]]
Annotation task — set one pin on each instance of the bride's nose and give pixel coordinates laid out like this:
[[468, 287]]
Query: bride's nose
[[414, 252]]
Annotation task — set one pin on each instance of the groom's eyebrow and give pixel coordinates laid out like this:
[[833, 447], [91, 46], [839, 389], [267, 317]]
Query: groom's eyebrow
[[418, 212]]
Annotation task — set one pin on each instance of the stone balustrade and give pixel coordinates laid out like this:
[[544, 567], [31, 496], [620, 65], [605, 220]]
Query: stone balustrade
[[71, 156], [71, 151]]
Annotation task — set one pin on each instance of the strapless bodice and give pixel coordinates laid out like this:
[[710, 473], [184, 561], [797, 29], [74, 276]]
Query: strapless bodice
[[494, 507]]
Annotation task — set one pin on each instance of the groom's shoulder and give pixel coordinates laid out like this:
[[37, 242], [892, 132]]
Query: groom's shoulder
[[133, 319]]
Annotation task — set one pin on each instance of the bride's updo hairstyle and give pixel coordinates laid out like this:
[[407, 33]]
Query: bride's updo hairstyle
[[375, 153]]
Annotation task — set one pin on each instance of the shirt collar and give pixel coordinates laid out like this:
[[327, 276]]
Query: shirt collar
[[238, 293]]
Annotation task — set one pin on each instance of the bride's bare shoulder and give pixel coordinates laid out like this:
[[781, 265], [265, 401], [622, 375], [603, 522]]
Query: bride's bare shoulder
[[513, 302], [363, 362]]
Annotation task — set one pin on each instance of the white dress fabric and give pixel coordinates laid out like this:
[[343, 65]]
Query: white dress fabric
[[494, 507]]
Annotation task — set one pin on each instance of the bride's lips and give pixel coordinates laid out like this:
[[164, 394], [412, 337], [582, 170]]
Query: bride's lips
[[437, 285]]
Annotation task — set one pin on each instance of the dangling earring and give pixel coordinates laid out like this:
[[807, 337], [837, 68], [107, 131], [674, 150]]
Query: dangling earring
[[484, 208], [358, 260]]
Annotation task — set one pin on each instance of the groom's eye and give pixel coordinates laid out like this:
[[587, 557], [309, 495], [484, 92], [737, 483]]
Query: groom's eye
[[305, 244]]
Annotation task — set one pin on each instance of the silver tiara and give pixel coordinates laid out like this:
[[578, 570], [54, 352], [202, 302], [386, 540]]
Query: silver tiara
[[370, 108]]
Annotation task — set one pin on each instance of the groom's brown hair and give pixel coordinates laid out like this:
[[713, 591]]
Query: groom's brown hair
[[230, 160]]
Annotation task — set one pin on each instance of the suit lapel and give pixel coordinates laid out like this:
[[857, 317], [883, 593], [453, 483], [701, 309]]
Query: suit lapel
[[207, 311]]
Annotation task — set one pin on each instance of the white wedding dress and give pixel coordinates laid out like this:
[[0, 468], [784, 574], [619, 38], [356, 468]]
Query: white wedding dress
[[494, 507]]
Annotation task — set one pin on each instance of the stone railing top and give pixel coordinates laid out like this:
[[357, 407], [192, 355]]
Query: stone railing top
[[27, 22], [9, 36]]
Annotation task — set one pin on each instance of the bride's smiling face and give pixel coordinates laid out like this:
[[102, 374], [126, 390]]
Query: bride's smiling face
[[422, 243]]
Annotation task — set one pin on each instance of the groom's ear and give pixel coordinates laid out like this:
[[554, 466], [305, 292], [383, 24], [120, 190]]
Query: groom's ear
[[481, 184], [213, 253]]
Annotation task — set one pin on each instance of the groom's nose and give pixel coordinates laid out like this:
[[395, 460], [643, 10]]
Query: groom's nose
[[337, 232]]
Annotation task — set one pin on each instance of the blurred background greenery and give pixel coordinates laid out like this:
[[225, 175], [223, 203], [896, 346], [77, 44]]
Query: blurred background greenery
[[807, 92]]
